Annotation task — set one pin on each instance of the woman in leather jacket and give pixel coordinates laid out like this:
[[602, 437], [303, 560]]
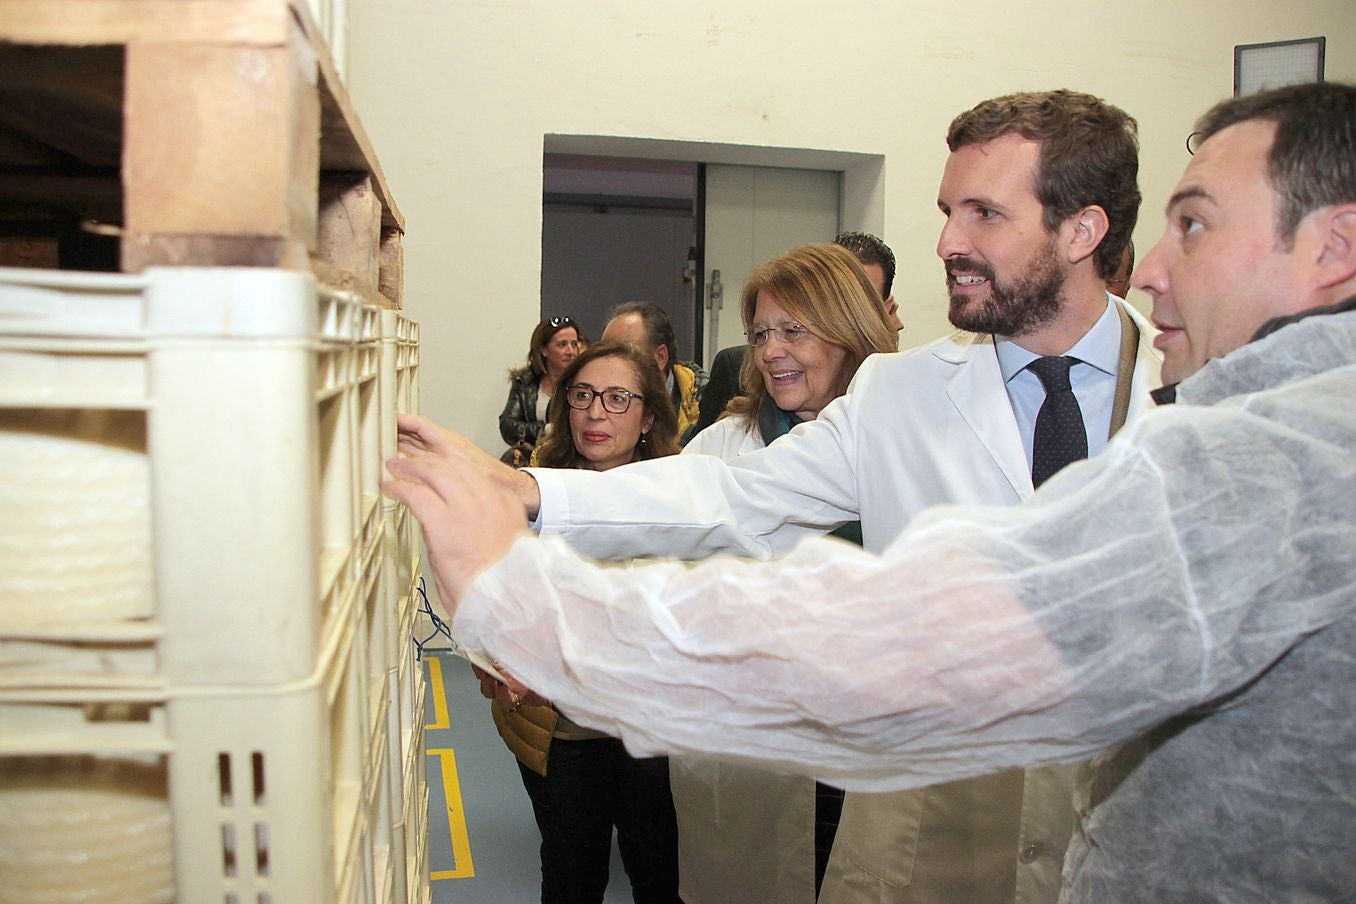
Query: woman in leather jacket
[[555, 342]]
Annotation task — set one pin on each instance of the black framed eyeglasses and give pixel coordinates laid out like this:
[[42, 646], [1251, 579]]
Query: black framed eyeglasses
[[790, 333], [615, 399], [561, 320]]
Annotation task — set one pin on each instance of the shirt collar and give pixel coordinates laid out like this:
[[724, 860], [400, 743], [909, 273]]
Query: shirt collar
[[1099, 347]]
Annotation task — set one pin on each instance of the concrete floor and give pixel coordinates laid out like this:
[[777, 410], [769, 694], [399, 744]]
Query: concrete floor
[[485, 850]]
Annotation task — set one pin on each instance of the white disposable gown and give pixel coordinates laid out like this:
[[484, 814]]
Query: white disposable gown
[[1190, 591]]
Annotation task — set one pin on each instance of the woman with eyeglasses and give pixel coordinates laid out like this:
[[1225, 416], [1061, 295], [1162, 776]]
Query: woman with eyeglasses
[[811, 316], [612, 408], [554, 344]]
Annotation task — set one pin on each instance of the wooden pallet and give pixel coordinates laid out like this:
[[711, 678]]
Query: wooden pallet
[[187, 132]]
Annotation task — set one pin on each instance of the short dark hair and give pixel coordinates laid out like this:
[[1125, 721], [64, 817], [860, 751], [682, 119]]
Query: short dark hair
[[870, 250], [1312, 161], [658, 326], [1089, 154]]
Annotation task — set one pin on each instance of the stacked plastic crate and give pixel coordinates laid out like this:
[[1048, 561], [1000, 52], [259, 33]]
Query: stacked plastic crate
[[205, 602], [400, 564]]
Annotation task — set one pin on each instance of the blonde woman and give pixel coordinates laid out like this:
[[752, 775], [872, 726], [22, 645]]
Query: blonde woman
[[811, 317]]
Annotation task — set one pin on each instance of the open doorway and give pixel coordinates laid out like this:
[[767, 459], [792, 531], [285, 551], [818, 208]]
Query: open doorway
[[632, 218], [621, 229]]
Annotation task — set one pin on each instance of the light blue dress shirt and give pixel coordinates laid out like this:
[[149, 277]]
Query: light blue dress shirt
[[1093, 380]]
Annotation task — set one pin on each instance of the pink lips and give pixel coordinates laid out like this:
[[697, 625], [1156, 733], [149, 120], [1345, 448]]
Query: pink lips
[[1165, 335], [591, 437]]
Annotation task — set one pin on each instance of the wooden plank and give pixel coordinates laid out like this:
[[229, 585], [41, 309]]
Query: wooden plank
[[29, 252], [220, 142], [329, 276], [344, 145], [251, 22], [222, 118], [391, 282], [348, 230], [140, 251]]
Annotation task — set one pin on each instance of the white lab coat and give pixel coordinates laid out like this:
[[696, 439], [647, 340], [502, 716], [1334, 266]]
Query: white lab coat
[[928, 426], [918, 428]]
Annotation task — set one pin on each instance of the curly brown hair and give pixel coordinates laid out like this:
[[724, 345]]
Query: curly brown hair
[[1089, 155]]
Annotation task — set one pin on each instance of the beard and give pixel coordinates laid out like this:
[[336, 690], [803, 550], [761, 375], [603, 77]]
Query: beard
[[1014, 308]]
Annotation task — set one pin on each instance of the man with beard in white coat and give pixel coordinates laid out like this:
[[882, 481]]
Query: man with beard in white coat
[[1040, 198]]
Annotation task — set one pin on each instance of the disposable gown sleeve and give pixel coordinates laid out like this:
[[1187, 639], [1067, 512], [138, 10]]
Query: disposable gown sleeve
[[1164, 574], [691, 506]]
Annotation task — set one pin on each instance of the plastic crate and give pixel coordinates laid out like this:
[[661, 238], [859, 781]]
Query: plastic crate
[[284, 791], [400, 373], [415, 827], [194, 573], [398, 865], [363, 875], [192, 474], [409, 688], [408, 773], [266, 786]]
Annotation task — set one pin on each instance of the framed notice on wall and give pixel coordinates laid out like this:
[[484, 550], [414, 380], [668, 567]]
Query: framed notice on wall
[[1259, 67]]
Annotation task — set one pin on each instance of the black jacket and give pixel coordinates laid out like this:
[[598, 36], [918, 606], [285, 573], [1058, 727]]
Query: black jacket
[[518, 421]]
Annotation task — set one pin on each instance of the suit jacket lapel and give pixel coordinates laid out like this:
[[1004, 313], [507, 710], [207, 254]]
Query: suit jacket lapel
[[977, 392]]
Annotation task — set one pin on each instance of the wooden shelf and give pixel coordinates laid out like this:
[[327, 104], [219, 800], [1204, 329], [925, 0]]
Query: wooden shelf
[[210, 132]]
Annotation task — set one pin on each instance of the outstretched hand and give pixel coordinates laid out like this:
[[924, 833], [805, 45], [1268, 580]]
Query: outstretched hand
[[418, 436], [510, 694], [470, 520]]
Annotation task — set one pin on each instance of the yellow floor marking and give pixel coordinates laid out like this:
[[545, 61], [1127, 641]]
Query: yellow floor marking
[[456, 819], [435, 677]]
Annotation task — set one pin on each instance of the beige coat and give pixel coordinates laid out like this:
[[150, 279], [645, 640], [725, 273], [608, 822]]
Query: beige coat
[[745, 834], [997, 839]]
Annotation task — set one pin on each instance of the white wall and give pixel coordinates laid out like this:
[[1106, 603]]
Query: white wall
[[457, 96]]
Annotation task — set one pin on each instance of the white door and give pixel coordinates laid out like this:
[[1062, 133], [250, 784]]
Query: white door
[[753, 214]]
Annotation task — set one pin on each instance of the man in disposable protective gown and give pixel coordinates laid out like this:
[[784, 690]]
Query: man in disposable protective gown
[[1191, 591]]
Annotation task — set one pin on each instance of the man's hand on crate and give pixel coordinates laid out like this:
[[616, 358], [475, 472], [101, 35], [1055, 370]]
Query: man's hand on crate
[[419, 435], [470, 519]]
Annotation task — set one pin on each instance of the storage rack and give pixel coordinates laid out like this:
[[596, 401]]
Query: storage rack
[[211, 132], [240, 356]]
